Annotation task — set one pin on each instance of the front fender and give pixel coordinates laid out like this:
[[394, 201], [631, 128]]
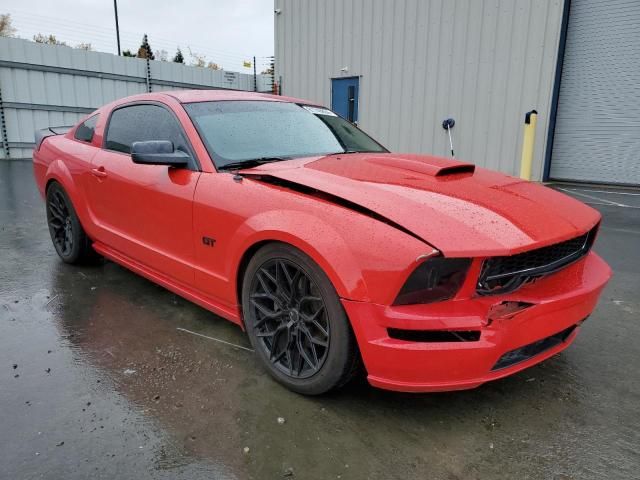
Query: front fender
[[365, 259], [322, 242]]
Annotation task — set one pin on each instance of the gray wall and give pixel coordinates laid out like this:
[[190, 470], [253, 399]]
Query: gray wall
[[483, 62], [46, 85], [597, 134]]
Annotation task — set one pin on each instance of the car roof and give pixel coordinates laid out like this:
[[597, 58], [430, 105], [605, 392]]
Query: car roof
[[191, 96]]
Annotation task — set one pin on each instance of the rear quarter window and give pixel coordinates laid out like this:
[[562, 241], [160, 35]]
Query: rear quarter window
[[86, 129]]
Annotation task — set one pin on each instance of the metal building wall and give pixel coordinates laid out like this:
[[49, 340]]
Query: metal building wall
[[483, 62], [45, 85], [597, 132]]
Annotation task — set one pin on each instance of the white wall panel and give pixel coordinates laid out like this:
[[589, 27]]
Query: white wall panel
[[483, 62], [83, 81]]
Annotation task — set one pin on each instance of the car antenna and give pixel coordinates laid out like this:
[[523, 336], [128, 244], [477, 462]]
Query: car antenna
[[448, 124]]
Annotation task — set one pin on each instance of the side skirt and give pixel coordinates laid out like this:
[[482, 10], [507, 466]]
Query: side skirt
[[191, 294]]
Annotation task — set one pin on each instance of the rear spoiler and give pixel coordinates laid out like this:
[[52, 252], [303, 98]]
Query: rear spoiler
[[43, 133]]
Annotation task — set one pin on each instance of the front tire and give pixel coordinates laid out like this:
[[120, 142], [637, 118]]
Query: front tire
[[295, 321], [69, 238]]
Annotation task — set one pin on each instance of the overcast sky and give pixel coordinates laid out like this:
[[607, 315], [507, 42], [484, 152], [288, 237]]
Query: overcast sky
[[225, 31]]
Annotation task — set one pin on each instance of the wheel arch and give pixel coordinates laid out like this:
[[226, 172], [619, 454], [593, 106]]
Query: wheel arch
[[244, 262], [58, 172], [347, 279]]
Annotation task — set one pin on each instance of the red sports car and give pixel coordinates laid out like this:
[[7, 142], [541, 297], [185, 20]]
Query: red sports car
[[329, 250]]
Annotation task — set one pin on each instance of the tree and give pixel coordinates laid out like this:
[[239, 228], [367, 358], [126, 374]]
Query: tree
[[178, 57], [201, 61], [145, 49], [48, 39], [267, 71], [161, 55], [197, 60], [84, 46], [6, 26], [127, 53]]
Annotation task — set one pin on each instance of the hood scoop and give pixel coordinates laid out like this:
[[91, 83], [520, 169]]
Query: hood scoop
[[431, 166], [456, 169], [392, 168]]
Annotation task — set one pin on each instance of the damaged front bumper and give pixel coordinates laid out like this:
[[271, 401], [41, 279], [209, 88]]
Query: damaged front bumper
[[463, 343]]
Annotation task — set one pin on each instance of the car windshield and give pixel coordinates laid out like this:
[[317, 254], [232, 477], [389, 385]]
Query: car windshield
[[235, 132]]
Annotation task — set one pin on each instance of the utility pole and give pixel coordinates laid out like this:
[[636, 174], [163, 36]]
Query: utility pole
[[115, 8], [255, 76]]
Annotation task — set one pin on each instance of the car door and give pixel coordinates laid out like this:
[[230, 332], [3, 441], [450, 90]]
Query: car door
[[145, 211]]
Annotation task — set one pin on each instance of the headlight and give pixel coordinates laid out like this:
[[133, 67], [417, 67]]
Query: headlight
[[434, 280]]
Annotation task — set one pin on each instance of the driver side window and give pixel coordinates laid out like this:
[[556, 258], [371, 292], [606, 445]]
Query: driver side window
[[139, 123]]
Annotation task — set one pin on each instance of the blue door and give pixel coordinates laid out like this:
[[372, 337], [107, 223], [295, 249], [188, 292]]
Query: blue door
[[344, 97]]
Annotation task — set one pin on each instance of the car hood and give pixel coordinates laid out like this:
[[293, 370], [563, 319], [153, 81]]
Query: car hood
[[460, 209]]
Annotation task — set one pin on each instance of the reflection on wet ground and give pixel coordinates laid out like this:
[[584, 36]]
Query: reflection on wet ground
[[97, 380]]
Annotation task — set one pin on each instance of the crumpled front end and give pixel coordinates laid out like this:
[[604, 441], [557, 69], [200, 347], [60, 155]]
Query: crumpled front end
[[471, 339]]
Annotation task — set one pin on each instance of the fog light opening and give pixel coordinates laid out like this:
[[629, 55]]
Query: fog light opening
[[434, 336]]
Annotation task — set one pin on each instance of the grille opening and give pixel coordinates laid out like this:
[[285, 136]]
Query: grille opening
[[531, 350], [506, 274], [427, 336]]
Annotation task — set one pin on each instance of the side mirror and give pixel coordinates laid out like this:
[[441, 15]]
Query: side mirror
[[158, 152]]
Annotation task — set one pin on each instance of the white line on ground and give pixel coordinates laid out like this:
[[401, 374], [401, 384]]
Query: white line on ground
[[593, 197], [215, 339], [621, 230], [597, 203], [605, 191]]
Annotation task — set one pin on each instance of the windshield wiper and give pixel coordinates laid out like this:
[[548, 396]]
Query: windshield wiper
[[355, 151], [252, 162]]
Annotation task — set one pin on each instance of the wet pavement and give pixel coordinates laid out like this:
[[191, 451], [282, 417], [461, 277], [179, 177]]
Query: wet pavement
[[100, 377]]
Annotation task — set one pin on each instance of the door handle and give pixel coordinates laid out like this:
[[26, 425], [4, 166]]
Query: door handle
[[99, 172]]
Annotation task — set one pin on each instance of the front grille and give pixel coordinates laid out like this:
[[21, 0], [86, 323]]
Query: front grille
[[505, 274], [531, 350]]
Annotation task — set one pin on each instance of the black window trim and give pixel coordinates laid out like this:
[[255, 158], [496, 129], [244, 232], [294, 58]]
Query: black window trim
[[194, 164], [75, 132], [354, 125]]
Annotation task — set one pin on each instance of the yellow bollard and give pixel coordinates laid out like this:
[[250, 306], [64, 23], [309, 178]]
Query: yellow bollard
[[528, 141]]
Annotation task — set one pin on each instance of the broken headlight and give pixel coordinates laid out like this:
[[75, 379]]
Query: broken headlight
[[434, 280]]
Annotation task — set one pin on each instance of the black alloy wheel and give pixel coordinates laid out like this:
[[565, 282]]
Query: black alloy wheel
[[295, 321], [60, 224], [69, 238], [291, 318]]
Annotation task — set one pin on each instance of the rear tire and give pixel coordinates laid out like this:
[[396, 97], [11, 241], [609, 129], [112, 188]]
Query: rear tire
[[69, 238], [295, 321]]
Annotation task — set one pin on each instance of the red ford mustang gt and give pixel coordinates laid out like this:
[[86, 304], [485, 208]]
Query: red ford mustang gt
[[330, 251]]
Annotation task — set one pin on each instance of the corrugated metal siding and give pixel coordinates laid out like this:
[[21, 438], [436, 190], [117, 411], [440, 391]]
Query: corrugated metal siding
[[597, 134], [483, 62], [79, 80]]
